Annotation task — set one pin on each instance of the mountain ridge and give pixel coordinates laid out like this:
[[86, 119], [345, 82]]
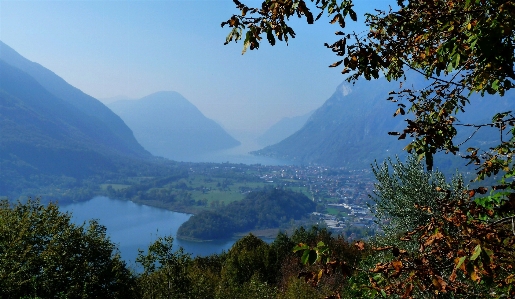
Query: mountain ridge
[[168, 125], [351, 128], [283, 129], [121, 136]]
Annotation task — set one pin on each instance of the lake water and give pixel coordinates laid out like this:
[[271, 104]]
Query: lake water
[[236, 155], [133, 226]]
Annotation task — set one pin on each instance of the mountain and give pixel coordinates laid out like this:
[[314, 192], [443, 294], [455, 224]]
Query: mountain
[[51, 131], [168, 125], [351, 128], [114, 99], [283, 128], [110, 129]]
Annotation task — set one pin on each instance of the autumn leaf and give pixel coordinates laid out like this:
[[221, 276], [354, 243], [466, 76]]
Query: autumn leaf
[[397, 266], [360, 245]]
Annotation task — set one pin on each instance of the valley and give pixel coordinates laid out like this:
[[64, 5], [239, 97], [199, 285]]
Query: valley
[[148, 151], [339, 193]]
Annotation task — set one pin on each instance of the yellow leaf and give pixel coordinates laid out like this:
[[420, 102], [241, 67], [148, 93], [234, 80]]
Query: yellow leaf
[[475, 276]]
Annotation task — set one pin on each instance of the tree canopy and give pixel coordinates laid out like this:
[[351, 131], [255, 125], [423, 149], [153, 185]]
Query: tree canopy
[[461, 48], [43, 254]]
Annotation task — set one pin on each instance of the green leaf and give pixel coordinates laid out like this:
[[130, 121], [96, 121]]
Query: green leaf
[[456, 60], [300, 246], [495, 85], [450, 67], [383, 293], [460, 262], [476, 253], [305, 257]]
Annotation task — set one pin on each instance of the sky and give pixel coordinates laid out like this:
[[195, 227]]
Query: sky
[[132, 49]]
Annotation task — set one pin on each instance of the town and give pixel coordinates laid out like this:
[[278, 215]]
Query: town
[[342, 195]]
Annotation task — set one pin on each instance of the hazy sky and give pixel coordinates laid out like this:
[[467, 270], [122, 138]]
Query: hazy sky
[[135, 48]]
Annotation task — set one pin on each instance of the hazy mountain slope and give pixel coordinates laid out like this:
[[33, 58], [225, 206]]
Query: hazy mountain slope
[[350, 129], [111, 129], [168, 125], [283, 128], [42, 134]]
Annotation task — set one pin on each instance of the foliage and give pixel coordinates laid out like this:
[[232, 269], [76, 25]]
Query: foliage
[[268, 208], [252, 268], [448, 248], [436, 242], [406, 196], [165, 271], [43, 254], [460, 46]]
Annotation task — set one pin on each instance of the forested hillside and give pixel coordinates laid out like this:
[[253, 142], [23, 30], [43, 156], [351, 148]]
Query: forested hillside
[[268, 208]]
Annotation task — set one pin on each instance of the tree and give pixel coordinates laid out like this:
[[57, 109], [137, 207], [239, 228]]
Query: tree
[[402, 189], [165, 271], [461, 48], [43, 254]]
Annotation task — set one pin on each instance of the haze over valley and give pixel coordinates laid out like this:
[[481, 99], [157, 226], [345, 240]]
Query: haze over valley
[[148, 152]]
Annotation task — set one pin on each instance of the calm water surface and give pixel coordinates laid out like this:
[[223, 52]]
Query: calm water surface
[[133, 226], [236, 155]]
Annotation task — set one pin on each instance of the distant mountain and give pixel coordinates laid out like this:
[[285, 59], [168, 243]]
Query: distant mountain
[[115, 99], [110, 129], [282, 129], [168, 125], [351, 128]]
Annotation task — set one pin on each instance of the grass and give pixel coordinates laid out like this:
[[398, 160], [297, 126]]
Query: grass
[[332, 211], [214, 190]]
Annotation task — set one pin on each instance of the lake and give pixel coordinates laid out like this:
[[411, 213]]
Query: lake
[[236, 155], [133, 226]]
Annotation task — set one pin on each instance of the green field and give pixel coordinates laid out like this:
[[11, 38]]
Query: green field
[[195, 192]]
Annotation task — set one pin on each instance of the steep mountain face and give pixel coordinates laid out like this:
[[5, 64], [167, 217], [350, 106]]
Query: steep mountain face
[[41, 133], [351, 128], [282, 129], [110, 129], [168, 125]]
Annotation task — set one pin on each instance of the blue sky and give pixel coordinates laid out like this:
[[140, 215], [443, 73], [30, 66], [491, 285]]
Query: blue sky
[[135, 48]]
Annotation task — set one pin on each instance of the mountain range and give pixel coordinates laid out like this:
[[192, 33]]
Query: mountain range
[[283, 128], [49, 127], [168, 125], [351, 128]]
